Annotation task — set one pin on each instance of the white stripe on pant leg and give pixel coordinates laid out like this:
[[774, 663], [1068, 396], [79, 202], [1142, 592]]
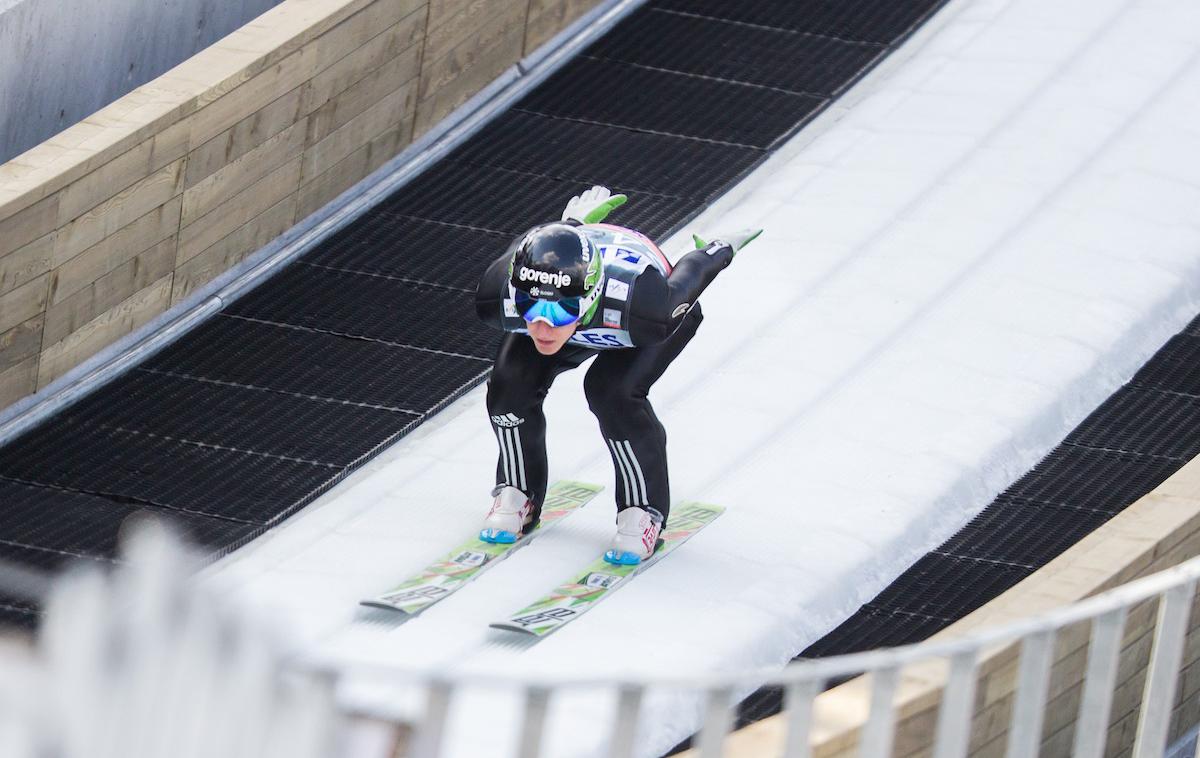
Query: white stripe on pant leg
[[508, 458], [638, 498], [505, 456], [638, 468], [516, 433], [500, 443], [620, 466], [512, 452]]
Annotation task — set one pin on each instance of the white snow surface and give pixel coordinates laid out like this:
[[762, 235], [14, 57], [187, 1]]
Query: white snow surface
[[962, 258]]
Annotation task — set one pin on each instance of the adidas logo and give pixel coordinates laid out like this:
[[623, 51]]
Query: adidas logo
[[508, 420]]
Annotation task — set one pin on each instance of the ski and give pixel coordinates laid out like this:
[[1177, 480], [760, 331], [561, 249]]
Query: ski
[[473, 557], [600, 579]]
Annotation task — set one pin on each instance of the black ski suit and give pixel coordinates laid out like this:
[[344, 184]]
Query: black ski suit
[[647, 315]]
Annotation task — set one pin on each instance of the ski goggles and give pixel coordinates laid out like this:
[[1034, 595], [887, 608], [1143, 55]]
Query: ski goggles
[[554, 312]]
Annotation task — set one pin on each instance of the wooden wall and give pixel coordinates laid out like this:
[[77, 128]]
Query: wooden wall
[[116, 219]]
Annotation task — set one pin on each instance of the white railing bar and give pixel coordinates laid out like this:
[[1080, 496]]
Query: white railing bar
[[428, 739], [1104, 650], [877, 736], [629, 706], [1029, 707], [854, 663], [798, 700], [537, 702], [718, 720], [954, 716], [1158, 698]]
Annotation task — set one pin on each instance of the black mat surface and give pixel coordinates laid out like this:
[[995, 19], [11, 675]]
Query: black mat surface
[[682, 105], [253, 414], [768, 57], [879, 21]]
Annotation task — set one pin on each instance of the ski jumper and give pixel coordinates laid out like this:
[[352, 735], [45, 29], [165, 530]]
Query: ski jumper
[[647, 315]]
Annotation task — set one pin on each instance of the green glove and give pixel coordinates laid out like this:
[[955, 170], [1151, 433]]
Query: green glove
[[593, 206], [736, 240]]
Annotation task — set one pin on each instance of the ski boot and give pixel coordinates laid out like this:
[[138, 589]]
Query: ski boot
[[637, 536], [510, 517]]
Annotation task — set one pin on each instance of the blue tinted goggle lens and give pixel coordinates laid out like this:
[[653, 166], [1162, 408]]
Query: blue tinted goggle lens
[[557, 312]]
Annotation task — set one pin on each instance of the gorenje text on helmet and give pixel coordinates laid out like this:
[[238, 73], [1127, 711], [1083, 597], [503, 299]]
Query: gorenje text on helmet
[[558, 279]]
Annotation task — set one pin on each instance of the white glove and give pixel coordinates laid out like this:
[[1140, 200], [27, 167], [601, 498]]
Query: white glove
[[593, 206]]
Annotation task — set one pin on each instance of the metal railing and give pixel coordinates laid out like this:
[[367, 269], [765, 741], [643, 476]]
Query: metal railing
[[149, 646]]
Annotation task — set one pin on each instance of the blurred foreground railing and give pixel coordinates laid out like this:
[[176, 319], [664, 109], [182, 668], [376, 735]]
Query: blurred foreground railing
[[145, 661]]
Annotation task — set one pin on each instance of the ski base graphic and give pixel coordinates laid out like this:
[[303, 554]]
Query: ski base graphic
[[473, 557], [600, 579]]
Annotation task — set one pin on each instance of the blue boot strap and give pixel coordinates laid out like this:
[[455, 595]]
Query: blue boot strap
[[497, 536], [625, 558]]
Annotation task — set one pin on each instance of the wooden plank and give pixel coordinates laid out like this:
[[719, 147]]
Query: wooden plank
[[494, 43], [74, 274], [21, 342], [109, 290], [326, 186], [28, 224], [26, 263], [18, 381], [141, 307], [442, 12], [123, 171], [362, 95], [238, 210], [371, 55], [549, 17], [223, 107], [23, 303], [227, 252], [120, 210], [358, 131], [227, 109], [242, 137], [355, 32], [242, 173], [26, 178], [87, 146], [289, 26], [464, 76], [480, 22]]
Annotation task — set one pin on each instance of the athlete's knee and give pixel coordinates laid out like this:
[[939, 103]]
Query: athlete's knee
[[509, 388], [607, 393]]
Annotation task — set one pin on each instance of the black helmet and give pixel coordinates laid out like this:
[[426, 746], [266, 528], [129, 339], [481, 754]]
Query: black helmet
[[557, 263]]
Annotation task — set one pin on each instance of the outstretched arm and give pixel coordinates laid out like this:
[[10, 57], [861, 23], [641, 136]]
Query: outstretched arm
[[660, 303]]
